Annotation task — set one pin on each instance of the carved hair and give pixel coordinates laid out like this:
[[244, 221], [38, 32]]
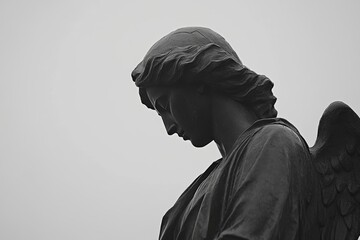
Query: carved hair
[[201, 56]]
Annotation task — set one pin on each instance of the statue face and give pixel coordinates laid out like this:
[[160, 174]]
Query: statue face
[[185, 111]]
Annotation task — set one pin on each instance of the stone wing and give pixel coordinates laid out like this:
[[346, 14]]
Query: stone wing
[[336, 156]]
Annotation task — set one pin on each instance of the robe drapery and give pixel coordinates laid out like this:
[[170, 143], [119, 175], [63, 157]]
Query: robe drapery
[[258, 191]]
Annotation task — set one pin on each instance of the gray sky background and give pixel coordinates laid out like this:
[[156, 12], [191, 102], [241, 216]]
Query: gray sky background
[[81, 158]]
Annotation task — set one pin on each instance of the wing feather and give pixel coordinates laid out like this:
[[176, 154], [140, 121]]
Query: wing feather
[[341, 230]]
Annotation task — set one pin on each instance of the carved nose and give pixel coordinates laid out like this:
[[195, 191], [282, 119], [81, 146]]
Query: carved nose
[[171, 129], [169, 123]]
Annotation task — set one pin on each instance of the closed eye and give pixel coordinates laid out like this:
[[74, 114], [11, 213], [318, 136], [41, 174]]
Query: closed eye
[[159, 106], [160, 110]]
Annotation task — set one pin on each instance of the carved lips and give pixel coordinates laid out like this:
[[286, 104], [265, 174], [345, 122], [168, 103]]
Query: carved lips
[[181, 133]]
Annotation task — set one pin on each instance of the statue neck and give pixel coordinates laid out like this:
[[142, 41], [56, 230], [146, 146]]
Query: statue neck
[[229, 120]]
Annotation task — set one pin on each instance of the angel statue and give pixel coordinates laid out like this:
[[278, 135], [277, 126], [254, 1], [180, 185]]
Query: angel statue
[[268, 184]]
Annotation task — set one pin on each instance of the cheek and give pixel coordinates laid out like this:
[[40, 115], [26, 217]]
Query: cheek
[[191, 118], [183, 112], [191, 112]]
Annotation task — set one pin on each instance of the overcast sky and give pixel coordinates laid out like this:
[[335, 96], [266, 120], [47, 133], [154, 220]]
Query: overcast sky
[[81, 158]]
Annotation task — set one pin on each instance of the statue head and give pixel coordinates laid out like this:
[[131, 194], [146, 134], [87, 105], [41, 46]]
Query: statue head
[[201, 58]]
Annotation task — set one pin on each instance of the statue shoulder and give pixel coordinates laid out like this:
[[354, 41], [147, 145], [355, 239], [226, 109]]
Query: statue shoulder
[[272, 140], [279, 132]]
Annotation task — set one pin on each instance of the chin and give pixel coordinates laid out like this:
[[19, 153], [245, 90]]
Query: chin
[[199, 144]]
